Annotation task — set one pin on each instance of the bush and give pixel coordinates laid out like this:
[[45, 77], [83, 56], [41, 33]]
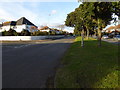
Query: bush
[[35, 33], [11, 32], [38, 33], [3, 33], [44, 33], [52, 32], [25, 33]]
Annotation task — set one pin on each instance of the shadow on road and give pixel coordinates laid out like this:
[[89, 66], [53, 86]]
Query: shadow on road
[[30, 66]]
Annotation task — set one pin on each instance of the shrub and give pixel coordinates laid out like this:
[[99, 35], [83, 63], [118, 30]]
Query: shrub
[[4, 32], [25, 33], [38, 33], [11, 32], [52, 32], [44, 33]]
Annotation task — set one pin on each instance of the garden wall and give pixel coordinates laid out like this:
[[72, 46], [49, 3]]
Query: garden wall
[[27, 38]]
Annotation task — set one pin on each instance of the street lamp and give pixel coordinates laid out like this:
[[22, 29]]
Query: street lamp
[[48, 24]]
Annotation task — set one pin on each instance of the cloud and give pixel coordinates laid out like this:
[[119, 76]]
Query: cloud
[[2, 20], [17, 11], [53, 12], [4, 15], [38, 1]]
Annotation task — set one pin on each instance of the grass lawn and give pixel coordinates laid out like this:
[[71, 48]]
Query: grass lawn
[[89, 67]]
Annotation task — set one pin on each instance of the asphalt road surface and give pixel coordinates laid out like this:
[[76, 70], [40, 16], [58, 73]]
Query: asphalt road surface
[[30, 65]]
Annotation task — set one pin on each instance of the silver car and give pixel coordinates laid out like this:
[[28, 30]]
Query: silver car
[[105, 37], [117, 37]]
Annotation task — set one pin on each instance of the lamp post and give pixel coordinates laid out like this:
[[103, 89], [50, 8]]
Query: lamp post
[[115, 23], [48, 18], [48, 24]]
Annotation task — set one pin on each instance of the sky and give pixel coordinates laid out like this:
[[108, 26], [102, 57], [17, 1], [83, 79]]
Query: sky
[[39, 13]]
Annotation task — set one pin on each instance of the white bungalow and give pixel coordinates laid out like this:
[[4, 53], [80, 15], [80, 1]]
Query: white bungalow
[[7, 25], [19, 25]]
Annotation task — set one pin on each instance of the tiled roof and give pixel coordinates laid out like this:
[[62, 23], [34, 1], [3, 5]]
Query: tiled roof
[[23, 20], [111, 27], [44, 28], [12, 23], [117, 27], [114, 27]]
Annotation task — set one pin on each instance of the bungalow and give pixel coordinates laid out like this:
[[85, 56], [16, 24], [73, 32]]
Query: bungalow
[[110, 29], [113, 29], [7, 25], [47, 29], [117, 28], [19, 25]]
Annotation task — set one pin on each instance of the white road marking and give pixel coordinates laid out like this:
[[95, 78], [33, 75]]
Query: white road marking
[[22, 46]]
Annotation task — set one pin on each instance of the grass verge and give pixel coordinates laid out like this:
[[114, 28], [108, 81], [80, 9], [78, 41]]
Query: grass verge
[[89, 67]]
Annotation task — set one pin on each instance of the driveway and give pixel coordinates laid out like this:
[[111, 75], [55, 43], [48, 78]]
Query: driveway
[[30, 65]]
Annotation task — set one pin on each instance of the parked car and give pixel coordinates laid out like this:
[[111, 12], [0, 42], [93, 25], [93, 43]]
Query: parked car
[[111, 35], [105, 37], [117, 37]]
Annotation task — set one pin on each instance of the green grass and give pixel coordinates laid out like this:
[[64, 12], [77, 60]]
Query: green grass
[[89, 67]]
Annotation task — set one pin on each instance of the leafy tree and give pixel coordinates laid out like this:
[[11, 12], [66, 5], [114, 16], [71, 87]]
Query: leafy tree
[[71, 19], [102, 16], [80, 20], [87, 13], [116, 8], [90, 16]]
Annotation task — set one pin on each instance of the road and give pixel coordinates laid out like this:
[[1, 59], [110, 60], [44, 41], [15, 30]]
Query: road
[[30, 65]]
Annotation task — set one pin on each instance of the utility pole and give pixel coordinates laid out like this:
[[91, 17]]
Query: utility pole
[[115, 22], [48, 25]]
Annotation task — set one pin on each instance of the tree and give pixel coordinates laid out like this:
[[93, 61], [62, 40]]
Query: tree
[[116, 8], [87, 13], [102, 16], [81, 20], [90, 16]]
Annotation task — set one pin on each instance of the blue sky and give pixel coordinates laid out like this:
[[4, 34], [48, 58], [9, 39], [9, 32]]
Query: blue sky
[[40, 13], [46, 12]]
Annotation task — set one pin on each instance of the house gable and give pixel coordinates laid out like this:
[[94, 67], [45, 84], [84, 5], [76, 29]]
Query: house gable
[[18, 25], [23, 20]]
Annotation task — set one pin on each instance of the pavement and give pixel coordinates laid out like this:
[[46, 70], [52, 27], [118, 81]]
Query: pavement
[[113, 41], [29, 65]]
